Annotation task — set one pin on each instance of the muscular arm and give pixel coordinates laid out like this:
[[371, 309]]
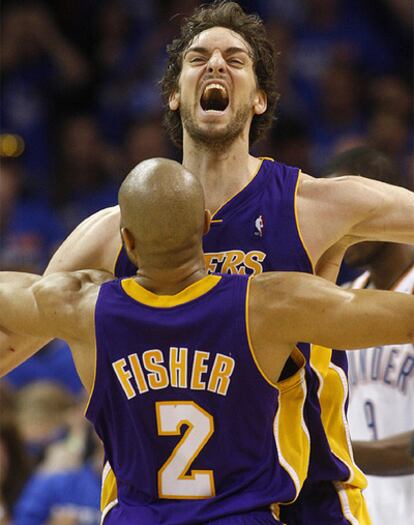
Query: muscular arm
[[392, 456], [335, 213], [93, 244], [289, 307], [57, 305]]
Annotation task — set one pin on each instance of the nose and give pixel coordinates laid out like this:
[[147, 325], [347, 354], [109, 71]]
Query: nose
[[216, 63]]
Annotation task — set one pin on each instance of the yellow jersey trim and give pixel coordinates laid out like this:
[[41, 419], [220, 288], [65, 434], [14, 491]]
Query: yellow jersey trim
[[95, 349], [249, 338], [144, 296], [298, 227], [296, 354], [335, 423], [353, 504], [293, 450], [238, 192], [109, 489], [118, 253]]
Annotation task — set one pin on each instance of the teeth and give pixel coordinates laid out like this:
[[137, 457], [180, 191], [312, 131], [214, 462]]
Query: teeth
[[214, 97], [215, 86]]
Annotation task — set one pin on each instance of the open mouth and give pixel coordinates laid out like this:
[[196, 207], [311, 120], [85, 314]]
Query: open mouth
[[214, 98]]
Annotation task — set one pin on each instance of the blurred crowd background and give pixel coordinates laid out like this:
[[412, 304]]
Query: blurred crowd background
[[81, 105]]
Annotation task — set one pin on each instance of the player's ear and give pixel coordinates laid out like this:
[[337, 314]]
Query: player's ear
[[207, 221], [128, 238], [260, 102], [174, 101]]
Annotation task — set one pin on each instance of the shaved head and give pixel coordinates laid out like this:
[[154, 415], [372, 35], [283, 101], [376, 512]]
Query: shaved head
[[162, 212]]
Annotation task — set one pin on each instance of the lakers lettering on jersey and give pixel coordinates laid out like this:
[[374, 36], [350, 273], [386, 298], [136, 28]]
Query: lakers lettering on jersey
[[235, 262], [257, 231]]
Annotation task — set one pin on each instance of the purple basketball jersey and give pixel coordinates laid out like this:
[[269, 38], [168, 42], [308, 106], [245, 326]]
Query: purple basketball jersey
[[257, 231], [189, 424]]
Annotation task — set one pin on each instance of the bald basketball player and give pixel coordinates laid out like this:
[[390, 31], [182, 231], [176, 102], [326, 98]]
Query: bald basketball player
[[174, 346], [220, 97]]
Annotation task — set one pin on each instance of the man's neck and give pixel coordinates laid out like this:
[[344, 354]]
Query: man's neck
[[222, 173], [391, 264], [171, 280]]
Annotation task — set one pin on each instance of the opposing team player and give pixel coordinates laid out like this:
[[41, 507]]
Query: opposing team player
[[382, 378], [184, 380], [220, 96]]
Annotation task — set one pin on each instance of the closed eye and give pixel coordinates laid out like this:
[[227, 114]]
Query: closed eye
[[236, 61], [197, 60]]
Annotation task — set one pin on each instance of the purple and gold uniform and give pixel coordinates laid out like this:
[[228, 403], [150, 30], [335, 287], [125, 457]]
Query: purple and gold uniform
[[189, 423], [257, 231]]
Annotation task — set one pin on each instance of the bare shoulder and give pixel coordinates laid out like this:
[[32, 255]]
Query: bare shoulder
[[271, 292], [66, 301], [329, 210], [274, 286], [352, 195], [274, 302], [334, 189], [95, 243], [280, 292], [268, 284]]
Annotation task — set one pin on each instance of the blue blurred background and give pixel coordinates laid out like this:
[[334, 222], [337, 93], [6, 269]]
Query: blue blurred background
[[81, 105]]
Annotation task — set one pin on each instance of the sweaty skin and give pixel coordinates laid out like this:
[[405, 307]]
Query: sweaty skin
[[332, 213], [282, 307]]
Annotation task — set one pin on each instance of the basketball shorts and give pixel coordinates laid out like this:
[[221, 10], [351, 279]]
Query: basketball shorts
[[327, 503]]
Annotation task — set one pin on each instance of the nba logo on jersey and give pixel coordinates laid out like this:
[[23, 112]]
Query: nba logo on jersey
[[259, 225]]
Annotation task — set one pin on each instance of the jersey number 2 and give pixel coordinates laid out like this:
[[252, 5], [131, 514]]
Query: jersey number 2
[[173, 482]]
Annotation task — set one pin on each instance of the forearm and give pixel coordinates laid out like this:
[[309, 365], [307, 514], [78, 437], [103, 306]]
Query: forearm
[[313, 310], [15, 349], [393, 456], [351, 319], [386, 316]]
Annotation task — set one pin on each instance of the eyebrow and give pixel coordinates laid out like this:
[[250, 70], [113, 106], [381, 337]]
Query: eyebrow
[[228, 51]]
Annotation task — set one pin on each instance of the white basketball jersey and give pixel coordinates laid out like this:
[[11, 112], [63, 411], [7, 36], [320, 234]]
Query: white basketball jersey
[[381, 403]]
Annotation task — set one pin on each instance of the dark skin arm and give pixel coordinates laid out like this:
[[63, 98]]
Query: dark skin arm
[[392, 456], [283, 307], [336, 213], [289, 307], [57, 305]]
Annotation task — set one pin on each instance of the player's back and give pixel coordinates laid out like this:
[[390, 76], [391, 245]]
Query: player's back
[[258, 231], [185, 415]]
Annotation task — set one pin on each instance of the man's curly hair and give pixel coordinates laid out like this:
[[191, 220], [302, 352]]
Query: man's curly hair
[[222, 13]]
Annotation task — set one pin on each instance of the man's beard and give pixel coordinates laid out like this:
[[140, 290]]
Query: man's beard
[[210, 138]]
